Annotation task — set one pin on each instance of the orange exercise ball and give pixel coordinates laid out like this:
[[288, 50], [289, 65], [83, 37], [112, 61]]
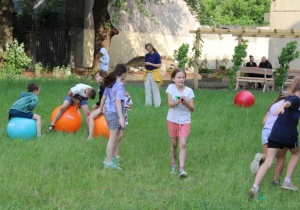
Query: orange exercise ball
[[70, 120], [101, 127]]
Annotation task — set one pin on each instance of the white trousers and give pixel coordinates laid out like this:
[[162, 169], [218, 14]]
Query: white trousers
[[150, 84]]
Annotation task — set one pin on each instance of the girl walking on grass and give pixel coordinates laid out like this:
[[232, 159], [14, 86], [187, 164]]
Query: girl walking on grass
[[181, 104], [284, 134], [114, 114], [268, 123]]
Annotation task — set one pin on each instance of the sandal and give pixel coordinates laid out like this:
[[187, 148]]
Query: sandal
[[50, 128]]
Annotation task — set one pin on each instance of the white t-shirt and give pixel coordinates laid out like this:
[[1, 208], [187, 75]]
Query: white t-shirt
[[80, 89], [180, 113]]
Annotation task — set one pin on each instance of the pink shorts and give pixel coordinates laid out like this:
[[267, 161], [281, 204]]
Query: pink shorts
[[179, 130]]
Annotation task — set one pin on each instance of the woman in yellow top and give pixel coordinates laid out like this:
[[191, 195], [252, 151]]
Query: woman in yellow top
[[152, 78]]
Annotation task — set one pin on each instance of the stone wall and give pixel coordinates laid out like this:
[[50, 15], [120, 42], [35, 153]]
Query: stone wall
[[175, 22], [285, 14]]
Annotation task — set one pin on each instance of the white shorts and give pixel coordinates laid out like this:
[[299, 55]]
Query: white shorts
[[265, 133]]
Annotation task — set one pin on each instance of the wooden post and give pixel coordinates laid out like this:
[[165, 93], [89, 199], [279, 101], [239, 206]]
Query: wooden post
[[239, 39], [196, 67]]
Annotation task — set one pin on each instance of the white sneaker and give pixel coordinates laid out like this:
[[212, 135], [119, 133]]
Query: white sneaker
[[288, 186], [255, 163], [252, 195], [173, 169], [182, 174]]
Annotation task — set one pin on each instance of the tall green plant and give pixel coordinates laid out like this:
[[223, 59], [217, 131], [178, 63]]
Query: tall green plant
[[181, 55], [287, 55], [15, 58], [237, 59]]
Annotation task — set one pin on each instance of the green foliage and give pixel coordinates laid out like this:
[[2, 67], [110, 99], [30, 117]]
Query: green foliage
[[14, 58], [287, 55], [51, 14], [237, 59], [59, 72], [181, 55], [222, 67], [230, 12]]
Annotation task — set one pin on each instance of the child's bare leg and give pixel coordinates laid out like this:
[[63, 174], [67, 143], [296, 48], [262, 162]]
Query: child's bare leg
[[86, 112], [174, 144], [111, 144], [265, 147], [182, 152], [279, 164], [91, 123], [63, 108], [38, 119], [118, 144], [293, 162], [271, 154]]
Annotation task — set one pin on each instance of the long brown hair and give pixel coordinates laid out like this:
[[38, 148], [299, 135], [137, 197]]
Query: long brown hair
[[295, 86], [111, 78], [149, 44], [282, 95]]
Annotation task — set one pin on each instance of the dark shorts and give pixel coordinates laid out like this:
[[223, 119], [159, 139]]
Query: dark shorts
[[16, 113], [276, 145], [83, 101], [112, 119]]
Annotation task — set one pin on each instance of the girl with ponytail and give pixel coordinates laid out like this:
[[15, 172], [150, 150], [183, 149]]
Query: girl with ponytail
[[284, 134], [114, 96]]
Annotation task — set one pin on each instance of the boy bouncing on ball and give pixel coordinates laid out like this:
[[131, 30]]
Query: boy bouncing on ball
[[78, 95], [25, 104]]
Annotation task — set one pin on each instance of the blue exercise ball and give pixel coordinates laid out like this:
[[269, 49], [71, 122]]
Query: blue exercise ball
[[21, 128]]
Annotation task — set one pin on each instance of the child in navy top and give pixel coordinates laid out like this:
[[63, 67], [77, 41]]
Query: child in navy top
[[284, 135]]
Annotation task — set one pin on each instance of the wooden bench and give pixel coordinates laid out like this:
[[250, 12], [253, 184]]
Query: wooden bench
[[292, 73], [260, 71]]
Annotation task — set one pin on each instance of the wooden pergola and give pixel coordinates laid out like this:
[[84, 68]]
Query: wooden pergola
[[240, 33]]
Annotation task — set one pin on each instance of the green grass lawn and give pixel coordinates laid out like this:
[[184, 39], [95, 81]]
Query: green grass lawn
[[62, 170]]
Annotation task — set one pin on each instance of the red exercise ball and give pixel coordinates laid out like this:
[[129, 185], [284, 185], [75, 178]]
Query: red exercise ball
[[244, 99], [101, 127], [70, 120]]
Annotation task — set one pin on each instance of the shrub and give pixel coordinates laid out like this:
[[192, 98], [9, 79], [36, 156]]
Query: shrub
[[287, 55], [181, 55], [14, 58]]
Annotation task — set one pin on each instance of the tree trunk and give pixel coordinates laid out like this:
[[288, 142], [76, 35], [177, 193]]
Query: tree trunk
[[103, 34], [6, 16]]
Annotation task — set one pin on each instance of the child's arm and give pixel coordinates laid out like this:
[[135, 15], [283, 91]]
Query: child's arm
[[119, 109], [189, 104], [102, 103], [286, 104], [265, 119], [172, 103], [70, 94], [32, 104]]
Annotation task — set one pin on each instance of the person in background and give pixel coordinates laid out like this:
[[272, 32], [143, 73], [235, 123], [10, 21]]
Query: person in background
[[251, 63], [152, 78], [104, 59], [265, 63]]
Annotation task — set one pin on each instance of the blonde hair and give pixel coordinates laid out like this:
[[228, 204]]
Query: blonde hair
[[295, 86]]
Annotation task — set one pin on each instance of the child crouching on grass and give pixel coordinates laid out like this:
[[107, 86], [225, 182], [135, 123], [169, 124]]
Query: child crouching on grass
[[114, 114], [181, 104], [25, 104], [284, 134]]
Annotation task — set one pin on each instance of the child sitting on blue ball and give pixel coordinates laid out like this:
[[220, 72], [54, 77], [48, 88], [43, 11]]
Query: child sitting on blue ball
[[25, 104]]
